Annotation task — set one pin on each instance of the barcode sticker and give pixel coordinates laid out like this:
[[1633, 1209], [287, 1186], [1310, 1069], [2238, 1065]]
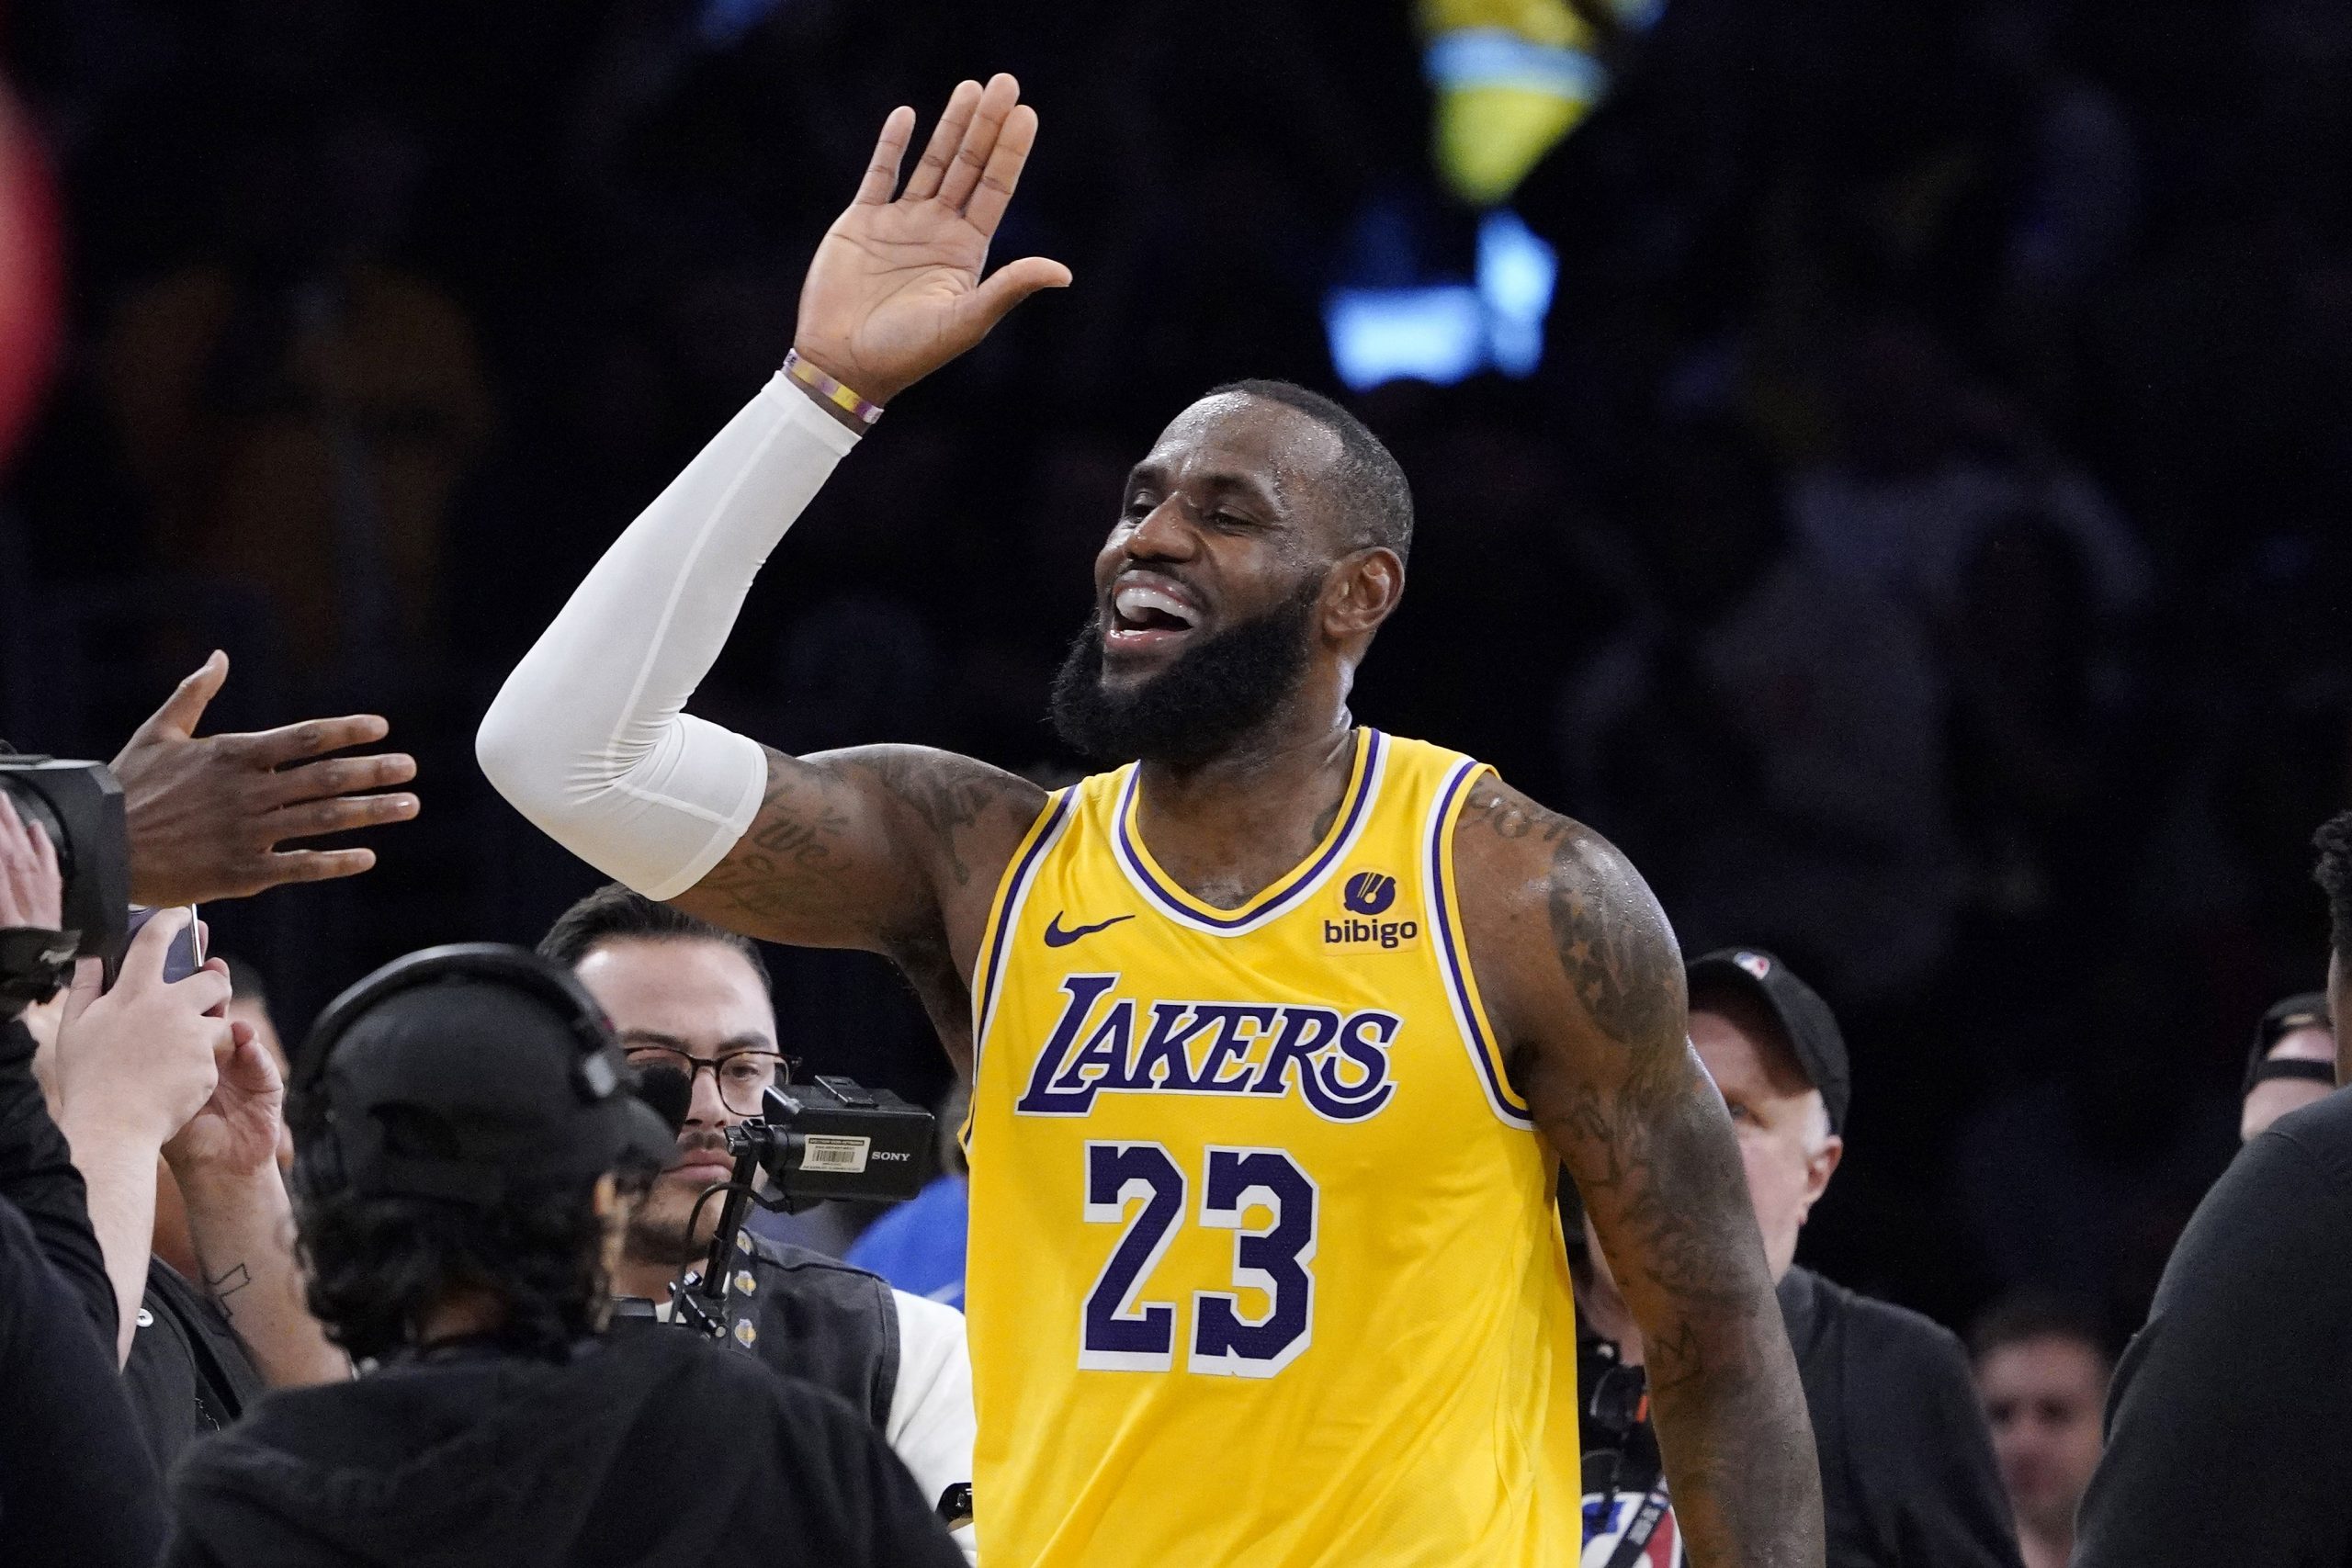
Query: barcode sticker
[[830, 1152]]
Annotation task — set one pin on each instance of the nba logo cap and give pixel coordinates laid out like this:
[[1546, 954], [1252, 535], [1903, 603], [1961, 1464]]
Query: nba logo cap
[[1812, 1029]]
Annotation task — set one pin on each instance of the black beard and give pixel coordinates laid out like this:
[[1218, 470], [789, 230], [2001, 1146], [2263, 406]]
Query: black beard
[[1209, 696]]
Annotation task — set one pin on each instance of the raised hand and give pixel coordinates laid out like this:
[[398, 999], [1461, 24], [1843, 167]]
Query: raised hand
[[895, 290], [206, 813]]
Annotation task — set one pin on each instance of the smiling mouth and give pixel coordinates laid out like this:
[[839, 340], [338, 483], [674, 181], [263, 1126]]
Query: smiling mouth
[[1144, 615]]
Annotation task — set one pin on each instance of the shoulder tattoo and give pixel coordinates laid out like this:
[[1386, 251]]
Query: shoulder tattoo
[[1613, 943]]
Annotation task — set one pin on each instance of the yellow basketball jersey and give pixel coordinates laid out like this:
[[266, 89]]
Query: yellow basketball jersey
[[1264, 1269]]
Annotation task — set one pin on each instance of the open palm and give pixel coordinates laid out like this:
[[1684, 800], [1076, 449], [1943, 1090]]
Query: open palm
[[895, 289]]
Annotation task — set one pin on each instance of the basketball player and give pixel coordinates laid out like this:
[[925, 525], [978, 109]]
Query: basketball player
[[1274, 1031]]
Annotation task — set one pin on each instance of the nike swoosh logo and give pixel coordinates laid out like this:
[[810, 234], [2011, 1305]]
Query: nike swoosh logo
[[1055, 936]]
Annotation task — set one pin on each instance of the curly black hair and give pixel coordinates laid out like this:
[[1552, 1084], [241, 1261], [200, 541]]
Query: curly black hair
[[2333, 875], [376, 1265]]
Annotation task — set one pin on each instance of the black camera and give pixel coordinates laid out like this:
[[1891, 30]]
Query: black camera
[[831, 1137], [79, 806]]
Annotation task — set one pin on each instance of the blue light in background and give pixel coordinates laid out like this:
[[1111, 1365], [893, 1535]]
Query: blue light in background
[[723, 23], [1386, 334], [1516, 276], [1445, 333]]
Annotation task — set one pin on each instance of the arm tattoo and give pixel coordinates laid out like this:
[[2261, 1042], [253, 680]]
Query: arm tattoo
[[946, 796], [1625, 971], [1627, 1105], [227, 1283], [855, 849], [784, 868]]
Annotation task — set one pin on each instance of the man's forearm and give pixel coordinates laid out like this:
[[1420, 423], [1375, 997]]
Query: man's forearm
[[1736, 1436], [589, 738], [244, 1230], [118, 1171]]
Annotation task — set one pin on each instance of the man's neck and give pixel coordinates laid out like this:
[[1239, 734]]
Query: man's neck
[[1227, 829], [463, 1314], [2045, 1549], [648, 1278]]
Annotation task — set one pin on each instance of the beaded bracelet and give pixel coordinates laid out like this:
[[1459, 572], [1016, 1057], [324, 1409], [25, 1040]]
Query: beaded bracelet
[[833, 391]]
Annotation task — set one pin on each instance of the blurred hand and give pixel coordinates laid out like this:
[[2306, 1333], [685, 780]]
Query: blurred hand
[[235, 1132], [894, 291], [141, 1059], [206, 813], [31, 893]]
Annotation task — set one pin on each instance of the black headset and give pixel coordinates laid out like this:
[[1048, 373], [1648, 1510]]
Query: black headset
[[598, 1071]]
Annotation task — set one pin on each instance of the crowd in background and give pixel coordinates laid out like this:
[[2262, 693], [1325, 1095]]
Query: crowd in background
[[1921, 545]]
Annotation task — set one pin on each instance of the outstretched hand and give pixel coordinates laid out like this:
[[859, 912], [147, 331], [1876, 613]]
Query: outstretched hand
[[895, 290], [206, 813]]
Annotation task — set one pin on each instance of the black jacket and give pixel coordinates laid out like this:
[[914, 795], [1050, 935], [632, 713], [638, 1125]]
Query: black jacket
[[189, 1374], [1907, 1474], [811, 1317], [2229, 1427], [76, 1486], [655, 1448], [815, 1318]]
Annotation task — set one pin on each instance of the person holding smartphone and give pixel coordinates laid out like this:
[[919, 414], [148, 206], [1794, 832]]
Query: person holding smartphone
[[76, 1483], [147, 1071]]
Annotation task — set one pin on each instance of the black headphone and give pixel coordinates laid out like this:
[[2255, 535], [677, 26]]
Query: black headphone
[[600, 1069]]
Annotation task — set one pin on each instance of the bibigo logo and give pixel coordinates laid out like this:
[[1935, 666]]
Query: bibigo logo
[[1367, 895]]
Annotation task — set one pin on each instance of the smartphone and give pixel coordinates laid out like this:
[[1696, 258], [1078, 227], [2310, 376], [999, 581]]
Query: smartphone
[[183, 958]]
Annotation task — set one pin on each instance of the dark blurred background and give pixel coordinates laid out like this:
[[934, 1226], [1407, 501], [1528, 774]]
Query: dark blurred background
[[1901, 493]]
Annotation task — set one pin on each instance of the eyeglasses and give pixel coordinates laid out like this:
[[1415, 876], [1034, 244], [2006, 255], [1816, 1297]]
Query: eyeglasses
[[744, 1077]]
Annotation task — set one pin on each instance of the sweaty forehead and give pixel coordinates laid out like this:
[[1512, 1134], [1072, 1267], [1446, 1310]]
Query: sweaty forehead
[[1249, 441]]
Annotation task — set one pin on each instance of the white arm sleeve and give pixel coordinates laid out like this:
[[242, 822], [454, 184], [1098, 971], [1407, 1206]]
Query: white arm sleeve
[[930, 1421], [589, 737]]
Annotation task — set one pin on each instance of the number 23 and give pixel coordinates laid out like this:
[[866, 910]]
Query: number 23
[[1123, 1334]]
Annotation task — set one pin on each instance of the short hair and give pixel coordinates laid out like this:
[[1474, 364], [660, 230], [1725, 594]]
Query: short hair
[[374, 1267], [615, 913], [2024, 1316], [1373, 492], [2333, 875]]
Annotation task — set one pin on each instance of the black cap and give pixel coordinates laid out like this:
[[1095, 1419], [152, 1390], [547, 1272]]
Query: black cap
[[470, 1074], [1805, 1018], [2307, 1010]]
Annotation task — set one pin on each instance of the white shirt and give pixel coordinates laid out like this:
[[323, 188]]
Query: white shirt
[[930, 1423]]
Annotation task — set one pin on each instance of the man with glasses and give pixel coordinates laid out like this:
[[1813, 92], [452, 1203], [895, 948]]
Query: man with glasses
[[686, 995]]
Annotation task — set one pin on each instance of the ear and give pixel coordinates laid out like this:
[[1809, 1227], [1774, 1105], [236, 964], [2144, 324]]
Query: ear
[[1819, 1166], [1363, 591]]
